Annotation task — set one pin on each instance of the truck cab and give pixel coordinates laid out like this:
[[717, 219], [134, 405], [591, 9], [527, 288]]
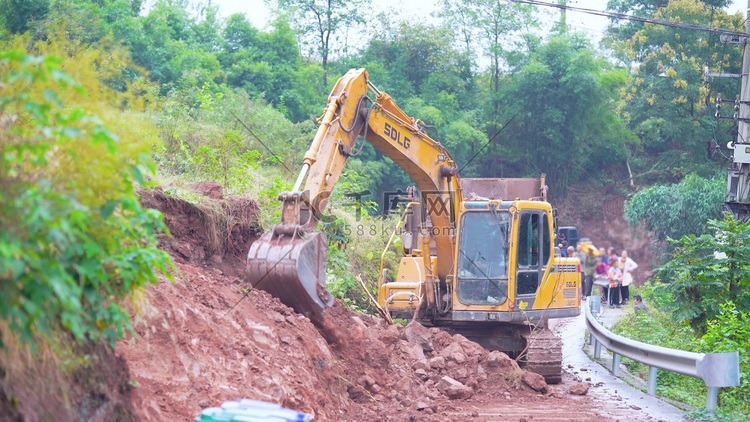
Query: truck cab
[[569, 233]]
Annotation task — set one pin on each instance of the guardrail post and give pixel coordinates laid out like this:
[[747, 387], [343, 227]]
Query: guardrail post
[[595, 304], [597, 349], [652, 371], [615, 364], [711, 399]]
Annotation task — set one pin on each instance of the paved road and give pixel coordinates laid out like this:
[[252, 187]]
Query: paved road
[[618, 399]]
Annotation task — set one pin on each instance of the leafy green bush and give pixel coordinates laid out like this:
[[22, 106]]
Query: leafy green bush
[[75, 240], [655, 295], [357, 254], [223, 160], [673, 211], [730, 331], [266, 192], [222, 136], [708, 270]]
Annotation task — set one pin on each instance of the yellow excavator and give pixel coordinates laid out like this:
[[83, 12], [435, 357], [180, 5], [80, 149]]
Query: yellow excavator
[[478, 254]]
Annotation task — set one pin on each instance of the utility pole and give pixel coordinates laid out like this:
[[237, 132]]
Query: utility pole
[[563, 16], [738, 178]]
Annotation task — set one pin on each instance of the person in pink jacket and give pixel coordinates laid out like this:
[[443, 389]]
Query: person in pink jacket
[[600, 276]]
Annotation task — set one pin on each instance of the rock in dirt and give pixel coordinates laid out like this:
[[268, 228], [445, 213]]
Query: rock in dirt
[[419, 334], [453, 389], [535, 381], [496, 359], [366, 380], [453, 352], [404, 385], [185, 250], [412, 351], [390, 335], [420, 365], [579, 388], [212, 190], [460, 374], [438, 362], [470, 348]]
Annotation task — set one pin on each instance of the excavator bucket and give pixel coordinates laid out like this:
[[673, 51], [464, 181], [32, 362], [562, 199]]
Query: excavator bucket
[[290, 264]]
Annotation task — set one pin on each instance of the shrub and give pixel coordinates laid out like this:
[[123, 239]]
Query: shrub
[[75, 240]]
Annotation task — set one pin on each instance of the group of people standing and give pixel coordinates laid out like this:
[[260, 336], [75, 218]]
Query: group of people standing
[[611, 271]]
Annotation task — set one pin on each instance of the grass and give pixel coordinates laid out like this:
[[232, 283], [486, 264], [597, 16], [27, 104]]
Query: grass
[[36, 381]]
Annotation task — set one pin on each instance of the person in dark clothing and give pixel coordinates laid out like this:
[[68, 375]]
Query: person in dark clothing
[[589, 265], [638, 304]]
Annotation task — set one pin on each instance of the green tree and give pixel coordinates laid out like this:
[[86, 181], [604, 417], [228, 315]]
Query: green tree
[[624, 29], [324, 22], [17, 16], [667, 104], [496, 28], [74, 243], [269, 65], [706, 271], [563, 101], [420, 66], [177, 49], [465, 144], [674, 211]]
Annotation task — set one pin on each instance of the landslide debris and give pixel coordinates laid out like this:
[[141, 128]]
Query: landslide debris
[[209, 338]]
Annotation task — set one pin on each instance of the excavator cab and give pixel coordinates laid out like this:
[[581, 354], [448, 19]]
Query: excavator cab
[[483, 248]]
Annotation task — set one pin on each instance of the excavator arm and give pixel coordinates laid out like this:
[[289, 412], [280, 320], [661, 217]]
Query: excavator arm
[[289, 261]]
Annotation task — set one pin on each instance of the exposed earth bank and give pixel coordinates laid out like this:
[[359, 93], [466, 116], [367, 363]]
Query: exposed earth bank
[[208, 338]]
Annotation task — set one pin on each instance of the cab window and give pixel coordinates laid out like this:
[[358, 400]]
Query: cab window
[[483, 258]]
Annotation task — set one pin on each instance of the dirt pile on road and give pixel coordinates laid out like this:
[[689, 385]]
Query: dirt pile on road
[[209, 338], [205, 339]]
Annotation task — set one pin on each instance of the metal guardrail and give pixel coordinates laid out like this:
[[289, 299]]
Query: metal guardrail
[[715, 369]]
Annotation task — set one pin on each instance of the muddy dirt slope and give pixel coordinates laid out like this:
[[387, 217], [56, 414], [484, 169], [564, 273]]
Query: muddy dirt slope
[[209, 338]]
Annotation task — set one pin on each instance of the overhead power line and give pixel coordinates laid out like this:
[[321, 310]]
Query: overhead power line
[[615, 15]]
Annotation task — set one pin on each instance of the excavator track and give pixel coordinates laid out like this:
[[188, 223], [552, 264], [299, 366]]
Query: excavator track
[[544, 354]]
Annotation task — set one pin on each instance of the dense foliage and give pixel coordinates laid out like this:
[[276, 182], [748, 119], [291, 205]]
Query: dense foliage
[[75, 240], [706, 271], [506, 100], [666, 102], [700, 302], [676, 210]]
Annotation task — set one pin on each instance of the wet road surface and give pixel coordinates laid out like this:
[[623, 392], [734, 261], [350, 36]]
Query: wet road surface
[[618, 399]]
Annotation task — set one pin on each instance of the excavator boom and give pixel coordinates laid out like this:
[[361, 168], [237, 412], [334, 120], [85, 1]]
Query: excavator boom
[[289, 261]]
